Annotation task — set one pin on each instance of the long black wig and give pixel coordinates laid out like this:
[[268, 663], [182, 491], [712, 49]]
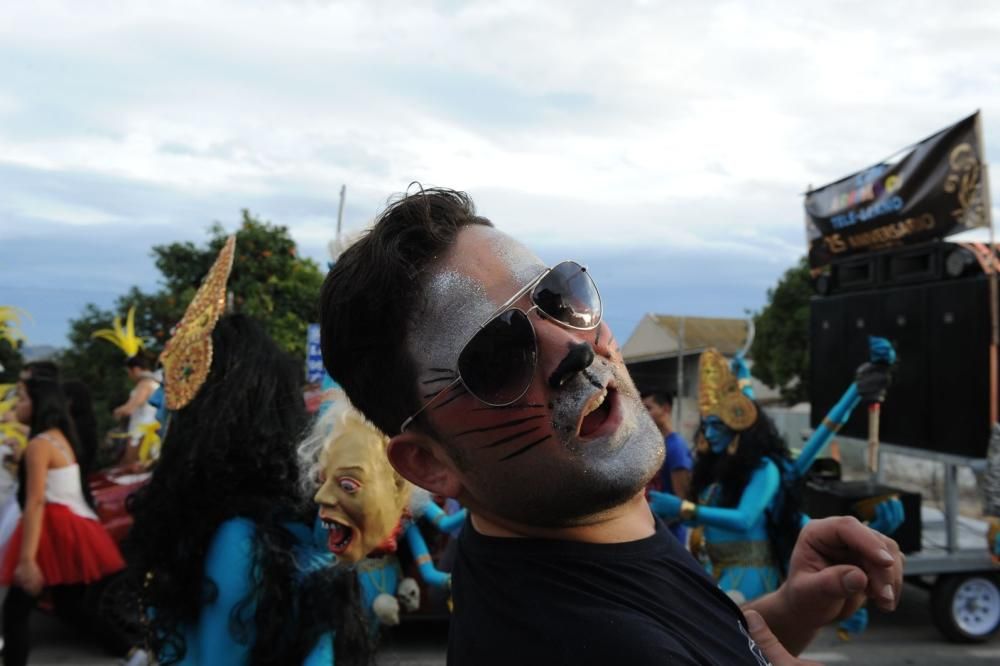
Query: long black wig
[[231, 452], [732, 474]]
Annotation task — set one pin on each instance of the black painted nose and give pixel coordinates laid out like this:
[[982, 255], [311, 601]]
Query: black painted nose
[[579, 358]]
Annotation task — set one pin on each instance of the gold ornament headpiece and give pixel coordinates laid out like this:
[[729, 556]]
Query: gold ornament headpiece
[[187, 356], [123, 337], [719, 393]]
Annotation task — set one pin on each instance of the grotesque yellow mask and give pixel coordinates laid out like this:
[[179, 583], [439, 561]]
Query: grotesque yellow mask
[[361, 498]]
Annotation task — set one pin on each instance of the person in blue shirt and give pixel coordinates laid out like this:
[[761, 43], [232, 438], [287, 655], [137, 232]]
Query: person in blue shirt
[[234, 566], [675, 475]]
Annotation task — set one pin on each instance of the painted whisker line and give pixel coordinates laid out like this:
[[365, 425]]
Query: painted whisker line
[[522, 450], [455, 395], [515, 406], [511, 438], [505, 424], [443, 371]]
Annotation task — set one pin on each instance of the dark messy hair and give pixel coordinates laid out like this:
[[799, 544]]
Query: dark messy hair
[[138, 361], [371, 294], [732, 473], [41, 370], [231, 453], [50, 410], [662, 398]]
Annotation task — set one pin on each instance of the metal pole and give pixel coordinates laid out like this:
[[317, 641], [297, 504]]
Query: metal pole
[[993, 289], [680, 377], [951, 505], [340, 210], [994, 314]]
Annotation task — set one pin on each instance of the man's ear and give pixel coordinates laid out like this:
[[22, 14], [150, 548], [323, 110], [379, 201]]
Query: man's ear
[[421, 461]]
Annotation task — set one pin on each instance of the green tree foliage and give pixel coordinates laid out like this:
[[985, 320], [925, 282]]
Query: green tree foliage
[[11, 361], [11, 341], [780, 350], [269, 281]]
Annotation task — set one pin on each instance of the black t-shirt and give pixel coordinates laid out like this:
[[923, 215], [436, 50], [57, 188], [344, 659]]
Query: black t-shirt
[[547, 602]]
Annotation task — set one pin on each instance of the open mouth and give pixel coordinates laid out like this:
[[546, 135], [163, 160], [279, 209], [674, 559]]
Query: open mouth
[[340, 536], [597, 413]]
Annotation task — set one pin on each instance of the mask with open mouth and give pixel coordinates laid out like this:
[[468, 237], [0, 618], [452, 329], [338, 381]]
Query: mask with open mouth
[[361, 498]]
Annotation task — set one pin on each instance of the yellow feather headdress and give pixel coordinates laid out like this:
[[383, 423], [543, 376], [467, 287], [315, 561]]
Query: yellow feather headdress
[[10, 324], [123, 337], [719, 393], [187, 356]]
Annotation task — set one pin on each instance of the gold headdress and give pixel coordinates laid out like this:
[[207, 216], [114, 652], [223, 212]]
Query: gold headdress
[[187, 356], [123, 337], [719, 393]]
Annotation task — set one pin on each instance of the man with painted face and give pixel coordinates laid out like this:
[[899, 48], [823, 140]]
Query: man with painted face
[[501, 386]]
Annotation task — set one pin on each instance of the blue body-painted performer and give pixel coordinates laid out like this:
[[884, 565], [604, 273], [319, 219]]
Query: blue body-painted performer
[[384, 575], [233, 567], [750, 525]]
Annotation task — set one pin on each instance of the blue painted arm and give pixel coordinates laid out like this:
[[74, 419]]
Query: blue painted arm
[[874, 377], [757, 496], [664, 505], [742, 373], [441, 520], [854, 625], [835, 419], [228, 564], [418, 548], [322, 652]]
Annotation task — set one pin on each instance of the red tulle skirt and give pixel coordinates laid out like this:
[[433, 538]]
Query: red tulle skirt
[[72, 549]]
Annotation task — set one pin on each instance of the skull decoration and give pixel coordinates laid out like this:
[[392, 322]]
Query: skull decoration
[[386, 609], [408, 594]]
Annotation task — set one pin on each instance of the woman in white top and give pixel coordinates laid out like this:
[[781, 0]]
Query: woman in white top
[[59, 544]]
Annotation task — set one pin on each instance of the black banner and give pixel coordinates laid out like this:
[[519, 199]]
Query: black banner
[[937, 189]]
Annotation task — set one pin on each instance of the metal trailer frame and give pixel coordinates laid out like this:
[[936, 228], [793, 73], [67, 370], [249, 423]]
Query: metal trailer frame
[[954, 560]]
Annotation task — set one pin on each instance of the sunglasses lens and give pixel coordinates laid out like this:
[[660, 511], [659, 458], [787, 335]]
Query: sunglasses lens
[[568, 294], [499, 361]]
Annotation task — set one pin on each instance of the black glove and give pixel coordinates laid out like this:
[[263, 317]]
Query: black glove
[[873, 379]]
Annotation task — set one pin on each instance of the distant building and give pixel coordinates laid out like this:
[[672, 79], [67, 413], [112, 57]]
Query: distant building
[[652, 352]]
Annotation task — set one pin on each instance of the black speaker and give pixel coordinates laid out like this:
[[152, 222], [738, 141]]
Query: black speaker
[[821, 499], [939, 399], [927, 262]]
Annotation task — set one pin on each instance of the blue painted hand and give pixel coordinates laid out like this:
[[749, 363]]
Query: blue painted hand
[[664, 505], [889, 515]]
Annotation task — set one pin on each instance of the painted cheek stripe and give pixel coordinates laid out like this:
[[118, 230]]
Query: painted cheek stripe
[[526, 448]]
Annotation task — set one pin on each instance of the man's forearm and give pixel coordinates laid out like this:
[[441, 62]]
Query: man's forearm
[[783, 622]]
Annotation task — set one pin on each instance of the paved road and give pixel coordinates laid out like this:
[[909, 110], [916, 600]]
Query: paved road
[[905, 638]]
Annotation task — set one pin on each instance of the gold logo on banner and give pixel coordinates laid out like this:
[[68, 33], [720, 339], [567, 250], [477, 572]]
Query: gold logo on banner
[[963, 181]]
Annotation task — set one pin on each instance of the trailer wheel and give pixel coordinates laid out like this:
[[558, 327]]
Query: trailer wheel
[[966, 607]]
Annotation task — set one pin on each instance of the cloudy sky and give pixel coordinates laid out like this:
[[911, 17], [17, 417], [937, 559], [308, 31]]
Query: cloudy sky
[[666, 144]]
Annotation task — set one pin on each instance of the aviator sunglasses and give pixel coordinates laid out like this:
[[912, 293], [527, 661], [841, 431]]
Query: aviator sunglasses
[[498, 362]]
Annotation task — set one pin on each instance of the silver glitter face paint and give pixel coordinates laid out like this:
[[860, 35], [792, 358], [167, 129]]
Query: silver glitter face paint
[[522, 263], [456, 305]]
